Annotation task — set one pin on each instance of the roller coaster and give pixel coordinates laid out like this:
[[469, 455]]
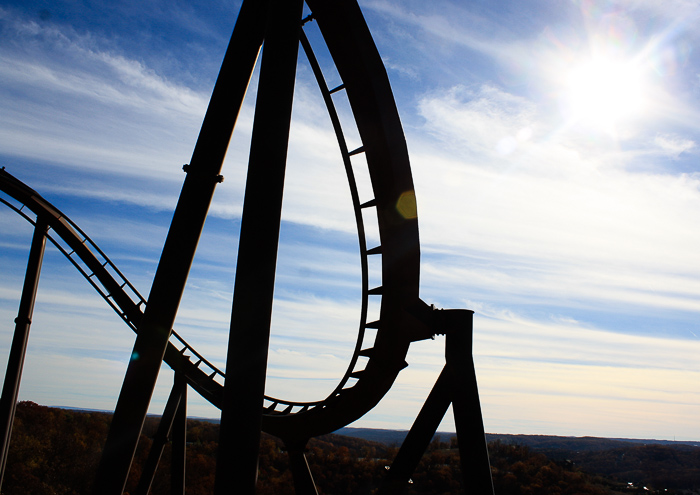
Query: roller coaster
[[278, 27]]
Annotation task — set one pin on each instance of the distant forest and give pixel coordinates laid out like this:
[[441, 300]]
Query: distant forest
[[56, 451]]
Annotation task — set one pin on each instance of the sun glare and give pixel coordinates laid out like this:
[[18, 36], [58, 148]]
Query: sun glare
[[603, 93]]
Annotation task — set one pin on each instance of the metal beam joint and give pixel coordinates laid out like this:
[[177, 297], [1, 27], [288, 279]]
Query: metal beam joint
[[192, 171]]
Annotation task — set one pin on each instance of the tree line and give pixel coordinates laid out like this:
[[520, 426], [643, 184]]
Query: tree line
[[56, 451]]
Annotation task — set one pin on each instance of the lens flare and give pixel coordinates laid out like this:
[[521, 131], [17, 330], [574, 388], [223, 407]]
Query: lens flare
[[406, 205]]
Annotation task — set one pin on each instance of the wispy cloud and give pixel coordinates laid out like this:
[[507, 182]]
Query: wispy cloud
[[83, 106], [452, 25], [478, 120], [570, 211], [674, 146]]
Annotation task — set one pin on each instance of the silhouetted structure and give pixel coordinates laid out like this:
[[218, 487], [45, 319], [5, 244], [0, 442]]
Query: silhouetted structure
[[277, 27]]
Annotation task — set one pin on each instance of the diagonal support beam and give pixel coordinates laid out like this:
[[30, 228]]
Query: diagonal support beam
[[175, 400], [178, 252], [301, 473], [419, 437], [179, 441], [456, 385]]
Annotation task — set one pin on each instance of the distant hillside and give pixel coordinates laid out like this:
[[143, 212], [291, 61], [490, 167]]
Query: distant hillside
[[634, 463], [392, 438], [56, 451], [535, 442]]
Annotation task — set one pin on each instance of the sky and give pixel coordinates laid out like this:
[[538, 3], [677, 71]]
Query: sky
[[554, 148]]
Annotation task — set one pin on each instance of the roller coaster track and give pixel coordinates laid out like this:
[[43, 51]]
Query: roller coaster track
[[121, 295], [104, 276], [402, 317]]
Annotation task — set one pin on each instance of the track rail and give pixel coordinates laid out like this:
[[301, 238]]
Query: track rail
[[365, 85], [122, 296], [104, 276]]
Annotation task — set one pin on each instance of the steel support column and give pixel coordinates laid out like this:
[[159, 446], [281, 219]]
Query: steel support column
[[18, 349], [246, 362], [301, 473], [178, 251], [162, 435], [457, 385], [471, 438], [178, 452]]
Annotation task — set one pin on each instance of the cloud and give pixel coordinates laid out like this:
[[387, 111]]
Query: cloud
[[450, 24], [564, 377], [673, 145], [554, 216], [84, 106], [479, 120], [687, 10]]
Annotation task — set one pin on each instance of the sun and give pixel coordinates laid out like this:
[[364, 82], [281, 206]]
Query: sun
[[604, 93]]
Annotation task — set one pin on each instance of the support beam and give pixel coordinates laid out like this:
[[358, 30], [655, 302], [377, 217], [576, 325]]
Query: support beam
[[301, 473], [178, 252], [178, 451], [161, 437], [419, 437], [457, 385], [18, 349], [246, 361], [471, 438]]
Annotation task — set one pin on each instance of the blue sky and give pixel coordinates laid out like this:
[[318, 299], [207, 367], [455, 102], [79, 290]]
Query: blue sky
[[554, 148]]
